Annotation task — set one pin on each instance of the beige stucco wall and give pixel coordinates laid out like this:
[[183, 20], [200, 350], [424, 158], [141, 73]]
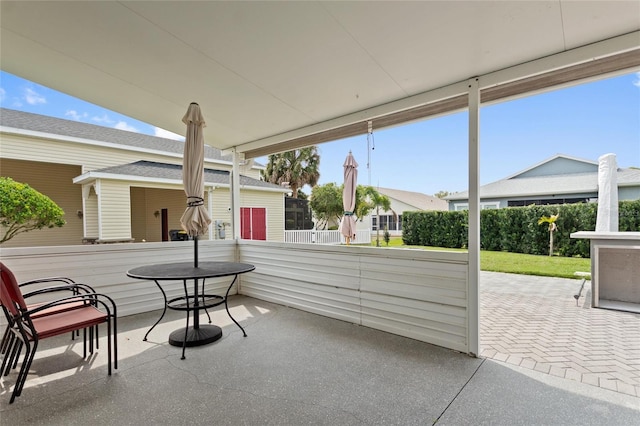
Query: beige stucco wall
[[55, 181], [145, 202], [139, 217]]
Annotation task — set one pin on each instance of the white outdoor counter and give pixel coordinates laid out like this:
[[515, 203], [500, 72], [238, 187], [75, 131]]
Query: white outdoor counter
[[615, 269]]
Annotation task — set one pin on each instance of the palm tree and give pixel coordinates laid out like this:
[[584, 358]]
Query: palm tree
[[295, 168], [375, 200]]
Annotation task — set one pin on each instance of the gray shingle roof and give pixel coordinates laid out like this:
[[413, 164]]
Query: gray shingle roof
[[58, 126], [150, 169], [556, 184], [416, 199]]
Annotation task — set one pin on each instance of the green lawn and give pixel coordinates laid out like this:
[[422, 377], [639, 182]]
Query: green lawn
[[517, 263]]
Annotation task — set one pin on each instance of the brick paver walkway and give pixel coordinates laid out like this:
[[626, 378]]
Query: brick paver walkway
[[534, 322]]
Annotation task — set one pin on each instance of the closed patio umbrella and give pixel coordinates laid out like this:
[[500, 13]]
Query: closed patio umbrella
[[195, 220], [607, 218], [348, 222]]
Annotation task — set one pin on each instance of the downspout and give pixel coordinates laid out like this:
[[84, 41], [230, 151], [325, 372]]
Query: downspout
[[473, 300]]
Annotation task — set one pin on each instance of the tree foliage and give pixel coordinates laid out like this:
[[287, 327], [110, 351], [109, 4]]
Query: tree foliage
[[371, 199], [441, 194], [23, 209], [297, 168], [326, 202]]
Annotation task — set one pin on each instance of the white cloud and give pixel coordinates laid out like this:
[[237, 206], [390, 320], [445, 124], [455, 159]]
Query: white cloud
[[636, 82], [76, 115], [104, 118], [161, 133], [3, 94], [122, 125], [33, 98]]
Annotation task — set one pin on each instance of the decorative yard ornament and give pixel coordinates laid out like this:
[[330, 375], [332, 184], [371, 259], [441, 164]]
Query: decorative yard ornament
[[551, 220]]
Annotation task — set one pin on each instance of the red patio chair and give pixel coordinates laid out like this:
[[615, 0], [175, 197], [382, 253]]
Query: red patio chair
[[28, 325], [61, 284], [10, 347]]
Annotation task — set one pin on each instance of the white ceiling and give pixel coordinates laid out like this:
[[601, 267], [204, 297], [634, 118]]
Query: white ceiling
[[261, 70]]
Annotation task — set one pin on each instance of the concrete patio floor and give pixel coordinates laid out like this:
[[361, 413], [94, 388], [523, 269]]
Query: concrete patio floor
[[295, 368]]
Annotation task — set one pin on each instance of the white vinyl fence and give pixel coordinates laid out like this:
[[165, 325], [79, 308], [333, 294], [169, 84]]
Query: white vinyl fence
[[313, 236], [414, 293]]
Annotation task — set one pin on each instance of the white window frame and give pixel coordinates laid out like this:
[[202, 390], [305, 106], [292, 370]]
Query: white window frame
[[488, 205]]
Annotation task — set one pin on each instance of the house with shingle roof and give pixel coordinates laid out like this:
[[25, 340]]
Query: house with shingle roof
[[402, 201], [560, 179], [116, 185]]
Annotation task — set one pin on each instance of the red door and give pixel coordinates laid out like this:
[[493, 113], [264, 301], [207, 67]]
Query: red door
[[245, 223], [253, 223]]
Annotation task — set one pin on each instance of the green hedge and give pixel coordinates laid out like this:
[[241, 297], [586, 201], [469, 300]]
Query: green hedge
[[515, 229]]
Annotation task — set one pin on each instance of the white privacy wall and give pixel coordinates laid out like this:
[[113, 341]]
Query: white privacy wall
[[413, 293], [104, 267]]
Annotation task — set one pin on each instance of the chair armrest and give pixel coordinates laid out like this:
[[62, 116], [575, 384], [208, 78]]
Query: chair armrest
[[90, 298], [75, 288], [47, 280]]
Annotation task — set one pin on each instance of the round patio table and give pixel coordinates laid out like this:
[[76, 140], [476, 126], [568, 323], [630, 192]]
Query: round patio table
[[194, 301]]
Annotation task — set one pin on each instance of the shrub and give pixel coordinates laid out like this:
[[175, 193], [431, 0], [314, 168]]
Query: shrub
[[515, 229], [23, 209]]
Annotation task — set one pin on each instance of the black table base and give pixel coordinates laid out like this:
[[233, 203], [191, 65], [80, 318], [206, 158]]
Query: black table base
[[202, 335]]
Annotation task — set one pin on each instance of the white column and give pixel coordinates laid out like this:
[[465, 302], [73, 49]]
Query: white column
[[210, 208], [97, 187], [473, 299], [235, 194]]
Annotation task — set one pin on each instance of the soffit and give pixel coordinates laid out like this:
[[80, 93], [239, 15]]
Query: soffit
[[269, 73]]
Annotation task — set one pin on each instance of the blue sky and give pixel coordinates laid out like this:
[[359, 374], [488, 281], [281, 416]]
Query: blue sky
[[583, 121]]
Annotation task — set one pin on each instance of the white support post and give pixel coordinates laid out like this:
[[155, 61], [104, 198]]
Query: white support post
[[473, 294], [210, 208], [235, 194], [86, 192], [97, 187]]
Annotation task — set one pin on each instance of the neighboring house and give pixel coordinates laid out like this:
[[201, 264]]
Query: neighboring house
[[558, 180], [402, 201], [117, 186]]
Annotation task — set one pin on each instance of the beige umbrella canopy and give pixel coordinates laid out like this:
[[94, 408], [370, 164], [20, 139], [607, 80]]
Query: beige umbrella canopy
[[348, 222], [195, 220]]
